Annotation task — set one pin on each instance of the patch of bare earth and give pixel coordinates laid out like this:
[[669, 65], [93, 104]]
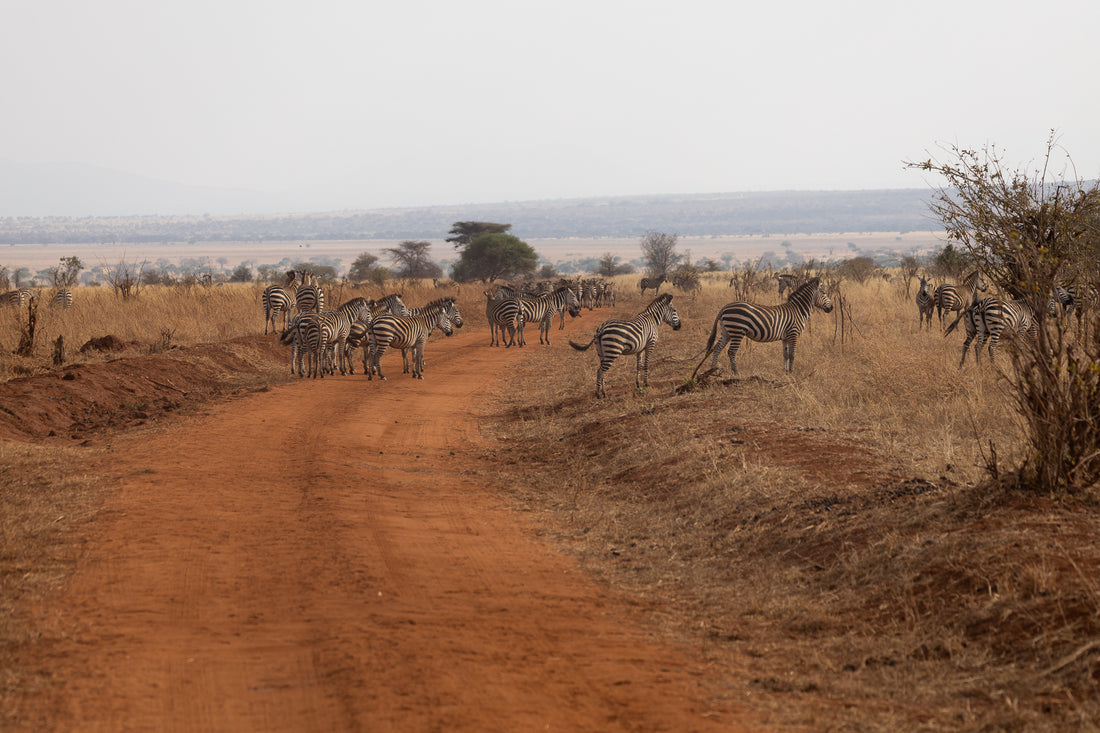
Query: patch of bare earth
[[319, 555]]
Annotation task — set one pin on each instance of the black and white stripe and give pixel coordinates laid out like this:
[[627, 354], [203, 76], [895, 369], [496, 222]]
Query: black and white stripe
[[638, 335], [542, 310], [310, 299], [951, 298], [449, 307], [336, 327], [501, 314], [988, 319], [926, 301], [404, 332], [62, 299], [766, 323]]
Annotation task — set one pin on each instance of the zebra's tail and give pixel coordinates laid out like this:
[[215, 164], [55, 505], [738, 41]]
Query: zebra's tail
[[578, 347], [955, 323]]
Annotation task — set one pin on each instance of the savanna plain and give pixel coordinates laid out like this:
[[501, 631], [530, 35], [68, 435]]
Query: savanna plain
[[825, 541]]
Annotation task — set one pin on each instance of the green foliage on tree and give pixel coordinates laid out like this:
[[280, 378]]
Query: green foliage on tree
[[495, 256], [858, 269], [360, 270], [464, 232], [610, 266], [241, 274], [951, 262], [1027, 231], [414, 259]]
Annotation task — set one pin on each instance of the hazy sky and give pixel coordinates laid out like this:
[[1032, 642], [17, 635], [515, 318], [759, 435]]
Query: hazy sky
[[414, 102]]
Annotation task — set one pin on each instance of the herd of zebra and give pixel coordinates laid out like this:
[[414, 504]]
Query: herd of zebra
[[323, 340], [62, 298], [987, 319]]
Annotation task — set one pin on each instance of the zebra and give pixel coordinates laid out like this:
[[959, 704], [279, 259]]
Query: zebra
[[926, 302], [404, 332], [987, 319], [454, 315], [950, 298], [63, 299], [336, 327], [278, 299], [310, 298], [501, 313], [391, 303], [304, 336], [635, 336], [542, 310], [16, 298], [651, 283], [766, 323]]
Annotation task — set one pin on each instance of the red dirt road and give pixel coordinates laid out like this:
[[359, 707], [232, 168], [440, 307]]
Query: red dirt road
[[317, 557]]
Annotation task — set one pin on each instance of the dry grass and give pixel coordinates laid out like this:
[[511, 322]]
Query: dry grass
[[824, 539]]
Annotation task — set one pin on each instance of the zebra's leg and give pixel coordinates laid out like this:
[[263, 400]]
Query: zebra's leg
[[719, 344], [600, 372], [788, 354], [642, 371], [735, 344]]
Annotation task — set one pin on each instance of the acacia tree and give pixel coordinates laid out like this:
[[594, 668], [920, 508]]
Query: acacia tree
[[659, 252], [413, 259], [464, 232], [1026, 232], [360, 270], [494, 256], [66, 273]]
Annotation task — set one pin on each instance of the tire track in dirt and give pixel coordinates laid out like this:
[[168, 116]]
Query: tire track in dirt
[[317, 557]]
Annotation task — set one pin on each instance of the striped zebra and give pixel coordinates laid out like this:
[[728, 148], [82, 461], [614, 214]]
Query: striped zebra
[[310, 299], [336, 327], [986, 320], [542, 310], [501, 314], [766, 323], [303, 334], [62, 299], [636, 336], [16, 298], [926, 302], [359, 334], [454, 315], [651, 283], [951, 298], [404, 332], [278, 299]]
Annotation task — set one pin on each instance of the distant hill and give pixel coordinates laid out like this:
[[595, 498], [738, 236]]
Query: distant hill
[[774, 212]]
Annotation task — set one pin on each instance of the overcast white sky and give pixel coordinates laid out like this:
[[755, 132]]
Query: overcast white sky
[[422, 102]]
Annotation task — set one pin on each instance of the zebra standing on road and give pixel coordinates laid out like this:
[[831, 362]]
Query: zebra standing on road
[[404, 332], [651, 283], [336, 327], [987, 319], [926, 301], [542, 310], [454, 315], [359, 334], [950, 298], [766, 323], [303, 334], [636, 336], [501, 314], [63, 299]]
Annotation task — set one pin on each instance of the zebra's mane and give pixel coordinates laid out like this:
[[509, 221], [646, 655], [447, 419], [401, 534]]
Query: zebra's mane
[[439, 303], [662, 298]]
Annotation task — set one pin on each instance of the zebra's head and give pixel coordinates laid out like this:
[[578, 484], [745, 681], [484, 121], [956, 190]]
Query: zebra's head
[[453, 314], [443, 323], [821, 298], [664, 309], [976, 281], [925, 285]]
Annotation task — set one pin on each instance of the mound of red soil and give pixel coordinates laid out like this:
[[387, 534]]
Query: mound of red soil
[[79, 401]]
